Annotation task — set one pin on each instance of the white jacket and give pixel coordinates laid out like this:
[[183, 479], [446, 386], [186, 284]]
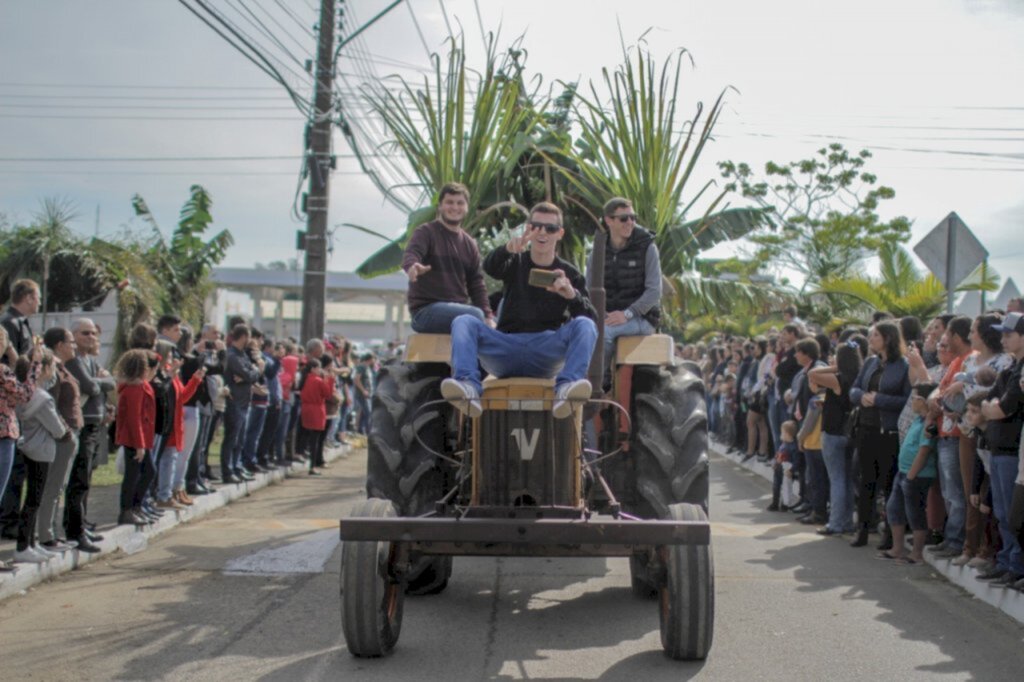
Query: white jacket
[[41, 427]]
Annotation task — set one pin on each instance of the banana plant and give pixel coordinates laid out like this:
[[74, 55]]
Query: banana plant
[[901, 289], [184, 263]]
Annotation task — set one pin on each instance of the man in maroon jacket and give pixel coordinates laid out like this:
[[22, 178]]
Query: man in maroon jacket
[[443, 265]]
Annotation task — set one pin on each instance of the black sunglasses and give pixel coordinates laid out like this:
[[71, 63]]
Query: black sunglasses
[[547, 227], [624, 218]]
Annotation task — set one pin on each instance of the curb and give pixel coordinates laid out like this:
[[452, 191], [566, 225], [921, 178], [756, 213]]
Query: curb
[[1008, 601], [131, 540]]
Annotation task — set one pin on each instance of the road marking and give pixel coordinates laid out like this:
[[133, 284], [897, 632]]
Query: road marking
[[308, 555]]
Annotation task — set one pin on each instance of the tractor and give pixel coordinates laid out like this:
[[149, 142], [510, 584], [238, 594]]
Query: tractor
[[626, 475]]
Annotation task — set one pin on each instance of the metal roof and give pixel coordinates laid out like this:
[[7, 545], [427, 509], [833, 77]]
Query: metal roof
[[396, 282]]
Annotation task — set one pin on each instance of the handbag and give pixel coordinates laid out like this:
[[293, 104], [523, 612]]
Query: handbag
[[809, 437]]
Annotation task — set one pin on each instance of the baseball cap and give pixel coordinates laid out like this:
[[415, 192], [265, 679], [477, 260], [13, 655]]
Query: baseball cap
[[1014, 322]]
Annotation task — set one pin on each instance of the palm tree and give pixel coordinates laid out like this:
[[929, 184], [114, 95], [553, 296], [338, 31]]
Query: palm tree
[[901, 289], [69, 273], [447, 130]]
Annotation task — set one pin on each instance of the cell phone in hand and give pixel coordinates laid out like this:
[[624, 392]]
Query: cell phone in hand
[[542, 278]]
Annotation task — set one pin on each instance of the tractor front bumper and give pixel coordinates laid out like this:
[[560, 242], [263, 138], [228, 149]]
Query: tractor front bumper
[[526, 537]]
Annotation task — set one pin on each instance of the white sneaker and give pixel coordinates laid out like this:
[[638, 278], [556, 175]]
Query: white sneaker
[[30, 556], [48, 553], [463, 395], [567, 395]]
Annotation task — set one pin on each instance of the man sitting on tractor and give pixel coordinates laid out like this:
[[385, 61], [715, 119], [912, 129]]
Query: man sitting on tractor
[[546, 327], [632, 276], [443, 265]]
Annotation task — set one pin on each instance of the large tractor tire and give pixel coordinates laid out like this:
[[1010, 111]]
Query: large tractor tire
[[400, 466], [670, 442], [371, 596], [686, 599]]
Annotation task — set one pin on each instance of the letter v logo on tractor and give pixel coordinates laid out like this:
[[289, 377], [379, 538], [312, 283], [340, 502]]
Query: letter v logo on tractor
[[527, 446]]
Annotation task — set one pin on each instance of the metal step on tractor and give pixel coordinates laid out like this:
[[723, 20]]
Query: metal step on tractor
[[626, 475]]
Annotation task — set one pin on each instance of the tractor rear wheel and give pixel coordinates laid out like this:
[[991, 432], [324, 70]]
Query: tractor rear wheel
[[400, 464], [670, 443], [371, 594], [686, 599]]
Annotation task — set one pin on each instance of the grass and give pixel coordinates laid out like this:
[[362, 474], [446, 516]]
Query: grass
[[107, 474]]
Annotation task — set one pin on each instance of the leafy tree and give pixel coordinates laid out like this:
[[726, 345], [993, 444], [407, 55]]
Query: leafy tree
[[901, 289], [825, 207], [183, 264]]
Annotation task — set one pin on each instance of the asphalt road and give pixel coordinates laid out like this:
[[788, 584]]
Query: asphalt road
[[251, 592]]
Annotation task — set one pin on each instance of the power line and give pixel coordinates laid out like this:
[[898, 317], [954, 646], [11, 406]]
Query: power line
[[159, 107], [152, 118], [147, 159], [295, 17], [250, 17], [419, 31]]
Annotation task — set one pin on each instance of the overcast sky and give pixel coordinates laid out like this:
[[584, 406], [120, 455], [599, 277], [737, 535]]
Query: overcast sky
[[932, 87]]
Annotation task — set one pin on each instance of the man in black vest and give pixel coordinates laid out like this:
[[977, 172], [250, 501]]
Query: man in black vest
[[632, 276]]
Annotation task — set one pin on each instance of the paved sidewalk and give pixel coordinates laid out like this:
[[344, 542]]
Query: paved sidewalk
[[1009, 602], [104, 509]]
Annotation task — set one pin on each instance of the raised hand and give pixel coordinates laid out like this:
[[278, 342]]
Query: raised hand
[[519, 242], [416, 270]]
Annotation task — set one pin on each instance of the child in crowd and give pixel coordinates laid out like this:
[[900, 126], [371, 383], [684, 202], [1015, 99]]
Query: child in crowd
[[136, 428], [916, 471], [41, 428], [974, 423], [782, 479]]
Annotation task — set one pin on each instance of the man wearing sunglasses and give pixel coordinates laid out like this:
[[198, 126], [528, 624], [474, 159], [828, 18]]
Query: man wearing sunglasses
[[632, 276], [543, 331], [443, 265]]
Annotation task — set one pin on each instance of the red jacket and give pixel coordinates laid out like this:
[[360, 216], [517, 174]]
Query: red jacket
[[315, 392], [182, 394], [136, 415], [289, 368]]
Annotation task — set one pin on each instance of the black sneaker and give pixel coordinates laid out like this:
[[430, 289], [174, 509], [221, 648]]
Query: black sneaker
[[995, 574]]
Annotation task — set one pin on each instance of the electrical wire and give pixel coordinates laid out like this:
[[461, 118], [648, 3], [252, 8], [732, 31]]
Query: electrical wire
[[251, 53], [419, 31], [295, 17], [250, 17]]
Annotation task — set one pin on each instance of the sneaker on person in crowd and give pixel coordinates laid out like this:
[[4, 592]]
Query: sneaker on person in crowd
[[31, 555], [993, 574]]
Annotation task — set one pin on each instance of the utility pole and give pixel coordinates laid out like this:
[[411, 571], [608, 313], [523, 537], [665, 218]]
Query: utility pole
[[314, 280]]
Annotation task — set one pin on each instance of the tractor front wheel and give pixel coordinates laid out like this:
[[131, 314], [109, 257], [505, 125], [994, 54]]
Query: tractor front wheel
[[372, 594], [686, 599]]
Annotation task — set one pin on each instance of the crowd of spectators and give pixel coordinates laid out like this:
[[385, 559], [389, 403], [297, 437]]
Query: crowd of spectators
[[161, 408], [884, 427]]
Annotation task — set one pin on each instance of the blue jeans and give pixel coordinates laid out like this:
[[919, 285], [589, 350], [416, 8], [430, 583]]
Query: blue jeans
[[253, 429], [437, 318], [952, 485], [168, 464], [638, 326], [774, 425], [1002, 475], [234, 433], [277, 451], [362, 406], [6, 463], [565, 351], [817, 479], [837, 463], [907, 502]]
